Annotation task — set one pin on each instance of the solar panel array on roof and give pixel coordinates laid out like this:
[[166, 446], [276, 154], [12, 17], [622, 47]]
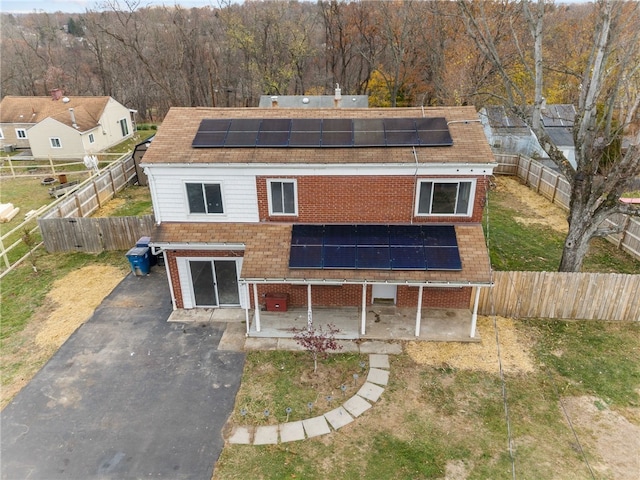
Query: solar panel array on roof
[[380, 247], [322, 132]]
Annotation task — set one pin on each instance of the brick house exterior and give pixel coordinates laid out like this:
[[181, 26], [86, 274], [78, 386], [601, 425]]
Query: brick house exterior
[[227, 215]]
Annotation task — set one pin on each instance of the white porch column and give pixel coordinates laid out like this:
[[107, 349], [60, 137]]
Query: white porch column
[[246, 310], [474, 316], [256, 306], [363, 320], [419, 310], [309, 311]]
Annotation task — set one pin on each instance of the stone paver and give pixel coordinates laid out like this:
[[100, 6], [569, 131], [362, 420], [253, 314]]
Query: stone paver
[[377, 360], [316, 426], [373, 346], [378, 376], [370, 391], [356, 405], [266, 435], [338, 418], [291, 432], [241, 435]]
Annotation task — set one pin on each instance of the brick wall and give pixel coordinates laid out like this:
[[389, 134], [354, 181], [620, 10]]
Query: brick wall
[[360, 199], [458, 297]]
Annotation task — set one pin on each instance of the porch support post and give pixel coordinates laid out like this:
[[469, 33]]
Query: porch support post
[[256, 306], [248, 306], [474, 316], [419, 310], [363, 320], [309, 311]]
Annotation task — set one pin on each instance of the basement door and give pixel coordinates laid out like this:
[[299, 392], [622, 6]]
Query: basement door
[[214, 283]]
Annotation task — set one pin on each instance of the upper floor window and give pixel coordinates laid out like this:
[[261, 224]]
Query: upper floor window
[[92, 139], [282, 197], [445, 197], [124, 127], [55, 142], [204, 198], [21, 133]]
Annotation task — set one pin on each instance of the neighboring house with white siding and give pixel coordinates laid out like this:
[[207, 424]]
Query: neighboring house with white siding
[[347, 207], [63, 127]]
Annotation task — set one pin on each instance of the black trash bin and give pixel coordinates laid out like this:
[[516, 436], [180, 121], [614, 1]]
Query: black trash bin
[[140, 260], [144, 242]]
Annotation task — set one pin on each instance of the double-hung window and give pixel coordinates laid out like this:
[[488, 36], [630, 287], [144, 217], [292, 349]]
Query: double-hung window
[[55, 142], [21, 133], [445, 197], [204, 198], [124, 127], [92, 139], [282, 197]]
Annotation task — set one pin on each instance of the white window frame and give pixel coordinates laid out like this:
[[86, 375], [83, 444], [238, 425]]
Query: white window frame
[[55, 142], [470, 203], [124, 125], [272, 212], [1, 135], [202, 184], [92, 139], [21, 133]]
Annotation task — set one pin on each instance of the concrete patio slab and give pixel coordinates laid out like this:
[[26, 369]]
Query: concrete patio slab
[[233, 338], [378, 376], [191, 315], [338, 418], [254, 343], [380, 347], [266, 435], [379, 361], [241, 436], [291, 432], [229, 315], [316, 426], [356, 405], [370, 391]]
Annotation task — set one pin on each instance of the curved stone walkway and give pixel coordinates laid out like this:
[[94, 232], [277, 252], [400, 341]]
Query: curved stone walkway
[[369, 393]]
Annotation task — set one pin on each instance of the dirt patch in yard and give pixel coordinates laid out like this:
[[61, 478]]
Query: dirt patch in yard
[[538, 210], [483, 356]]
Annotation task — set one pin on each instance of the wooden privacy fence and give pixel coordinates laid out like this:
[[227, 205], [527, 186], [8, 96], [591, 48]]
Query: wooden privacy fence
[[94, 235], [563, 295], [553, 186]]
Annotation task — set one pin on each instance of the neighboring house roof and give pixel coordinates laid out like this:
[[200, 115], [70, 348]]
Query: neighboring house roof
[[501, 122], [267, 247], [558, 121], [31, 110], [313, 101], [172, 143]]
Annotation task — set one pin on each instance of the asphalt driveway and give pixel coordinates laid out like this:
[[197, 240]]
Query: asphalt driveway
[[128, 396]]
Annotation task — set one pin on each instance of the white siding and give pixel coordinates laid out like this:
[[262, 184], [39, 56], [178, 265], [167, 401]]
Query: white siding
[[185, 282], [239, 195]]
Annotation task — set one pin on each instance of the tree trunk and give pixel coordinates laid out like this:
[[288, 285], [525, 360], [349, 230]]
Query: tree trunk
[[575, 249]]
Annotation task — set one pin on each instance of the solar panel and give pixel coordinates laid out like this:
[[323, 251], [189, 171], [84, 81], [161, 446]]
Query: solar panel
[[340, 235], [405, 235], [307, 234], [408, 258], [373, 258], [339, 257], [443, 258], [328, 132], [373, 235], [305, 256], [439, 235]]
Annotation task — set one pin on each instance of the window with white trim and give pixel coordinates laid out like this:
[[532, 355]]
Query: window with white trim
[[445, 197], [55, 142], [21, 133], [124, 127], [283, 198], [92, 139], [1, 135], [204, 198]]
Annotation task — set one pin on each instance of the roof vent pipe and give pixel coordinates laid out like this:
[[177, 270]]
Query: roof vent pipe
[[338, 96], [274, 101], [73, 118]]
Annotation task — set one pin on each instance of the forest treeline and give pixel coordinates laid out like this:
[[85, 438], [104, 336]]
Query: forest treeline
[[400, 53]]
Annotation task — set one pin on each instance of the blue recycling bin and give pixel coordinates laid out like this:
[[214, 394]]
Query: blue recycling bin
[[140, 260], [144, 242]]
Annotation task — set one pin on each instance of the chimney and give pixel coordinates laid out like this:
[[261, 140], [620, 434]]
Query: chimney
[[73, 118], [274, 101], [337, 97], [56, 94]]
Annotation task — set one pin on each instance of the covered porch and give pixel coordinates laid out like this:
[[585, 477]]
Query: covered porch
[[383, 322]]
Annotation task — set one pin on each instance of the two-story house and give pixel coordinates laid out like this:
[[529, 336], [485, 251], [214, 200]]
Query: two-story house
[[332, 207]]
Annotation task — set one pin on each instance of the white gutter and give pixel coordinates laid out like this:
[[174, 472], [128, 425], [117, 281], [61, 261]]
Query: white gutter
[[157, 247], [409, 283]]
